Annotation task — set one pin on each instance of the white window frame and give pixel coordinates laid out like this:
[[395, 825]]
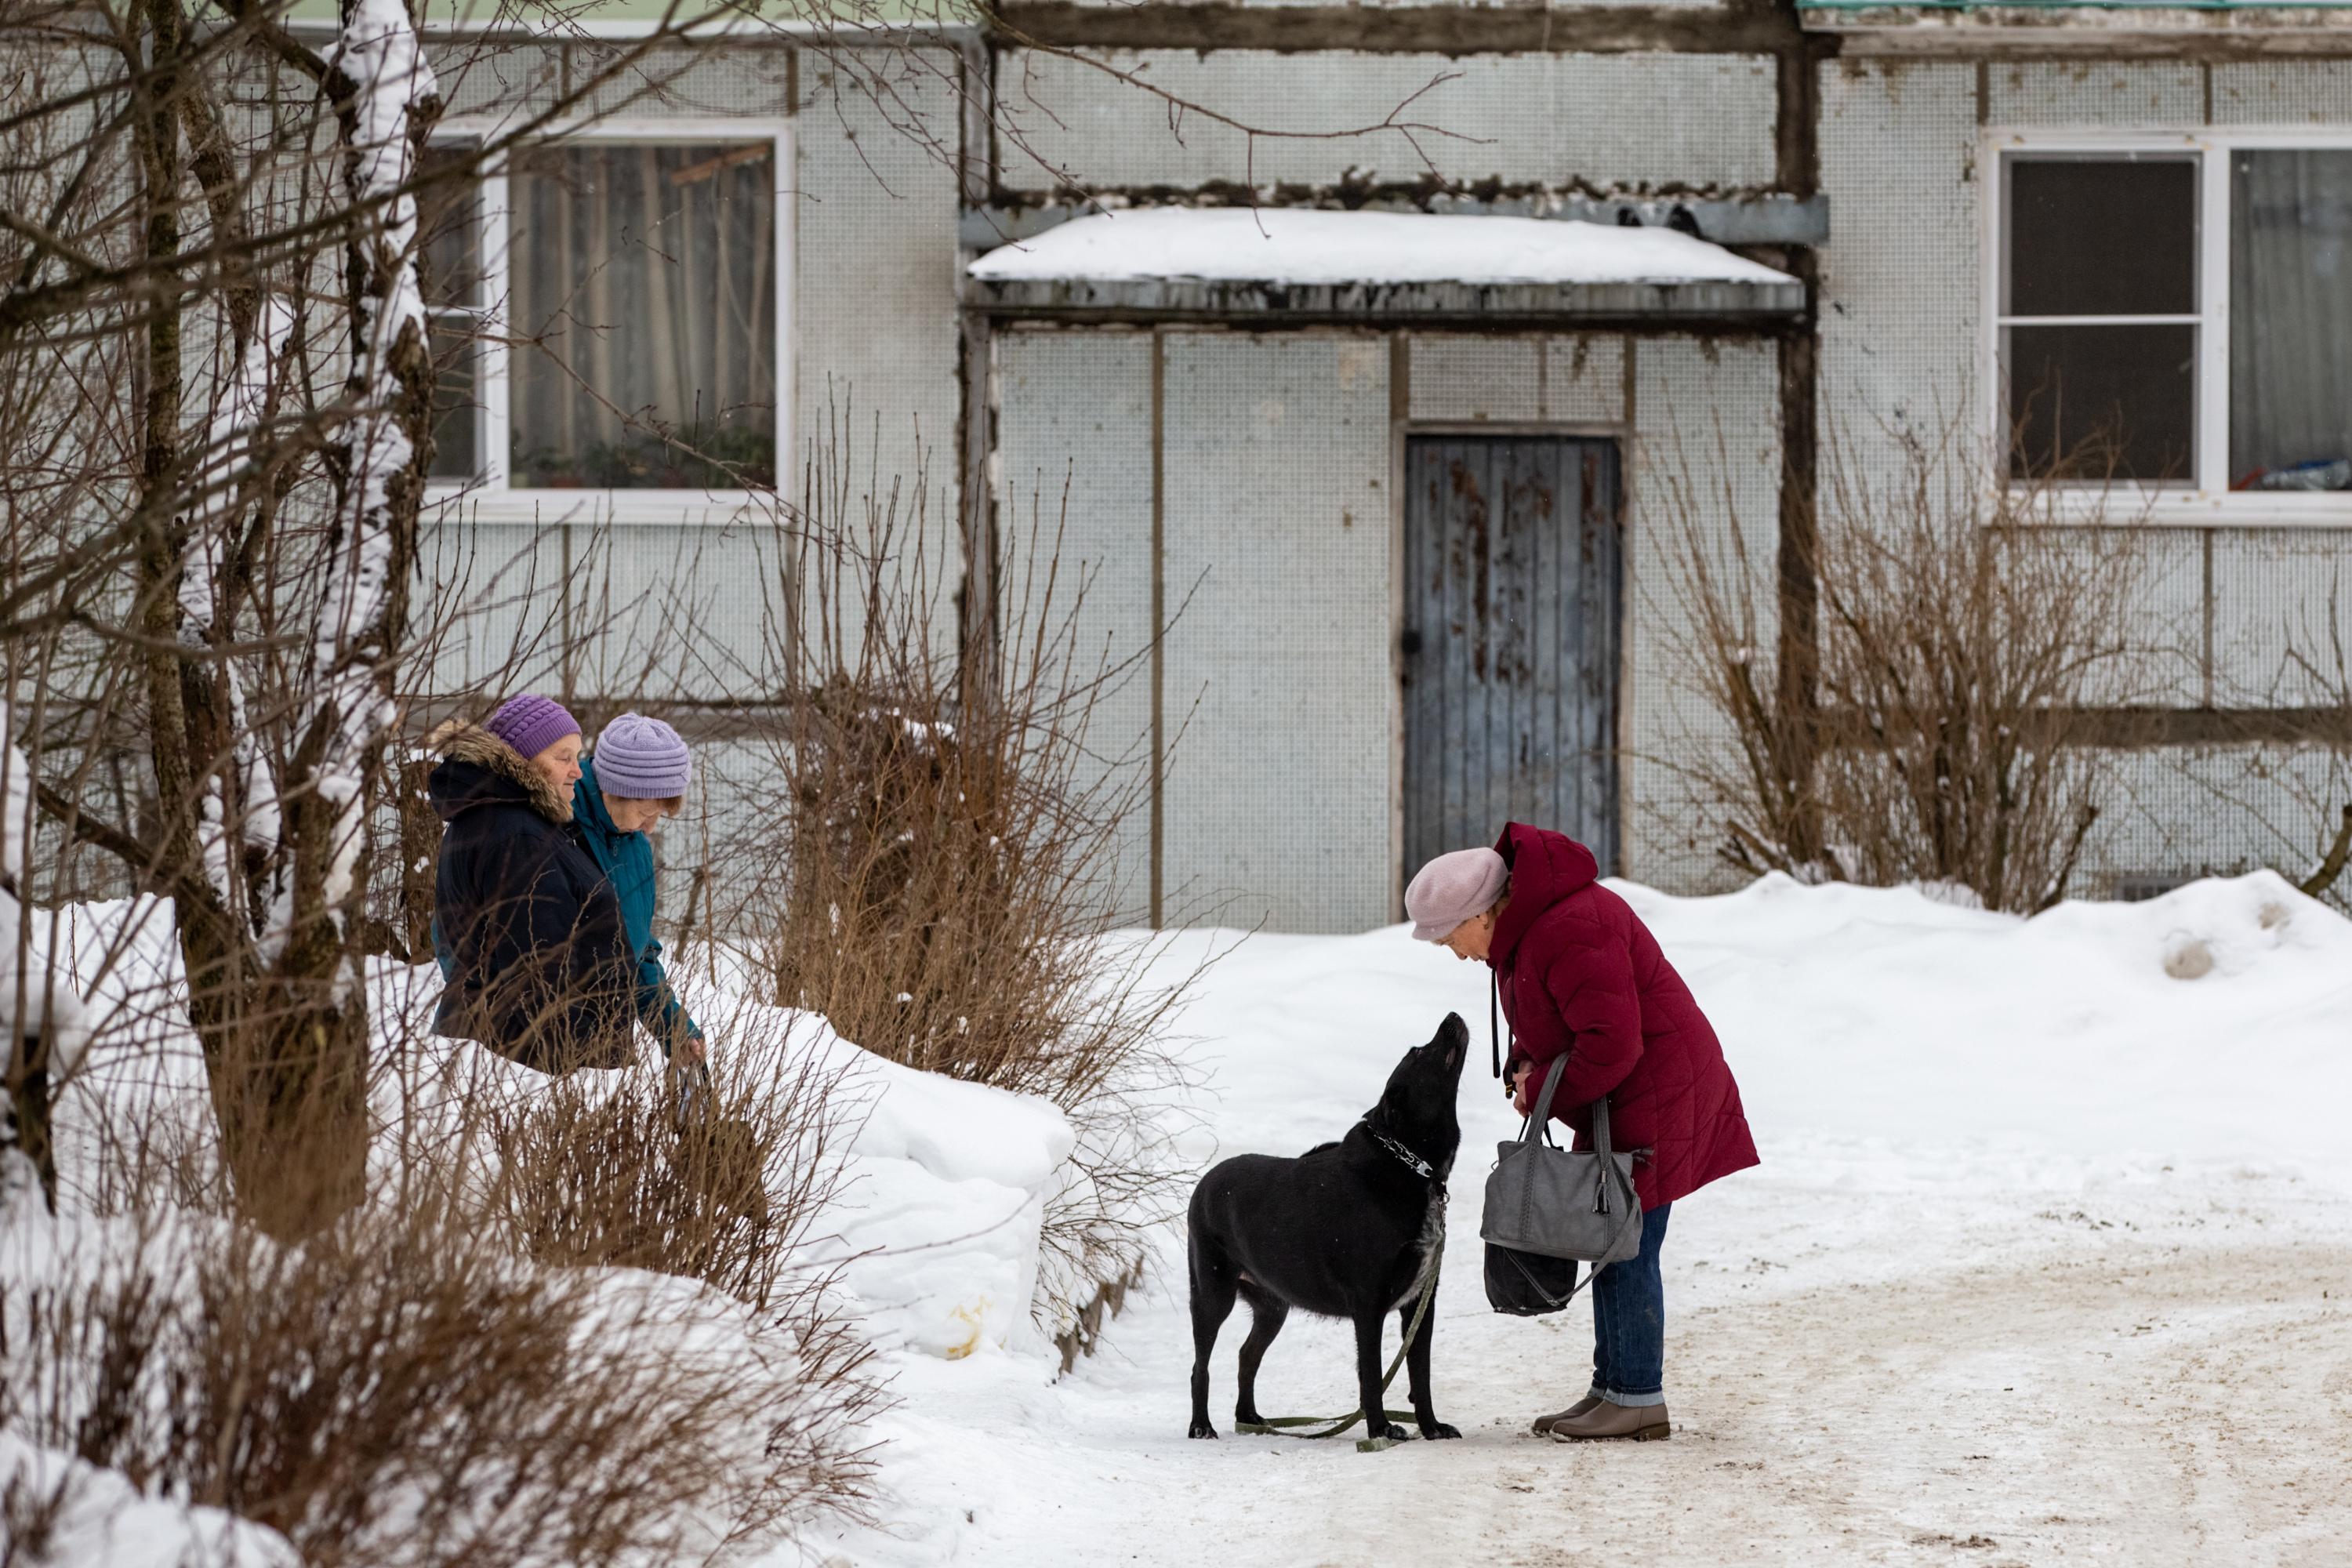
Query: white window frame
[[488, 497], [2208, 501]]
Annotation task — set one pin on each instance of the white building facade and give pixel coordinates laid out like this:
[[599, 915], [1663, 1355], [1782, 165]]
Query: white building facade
[[1412, 540]]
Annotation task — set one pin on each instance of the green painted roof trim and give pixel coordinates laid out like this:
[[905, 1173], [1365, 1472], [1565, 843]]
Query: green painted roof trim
[[2074, 5], [571, 15]]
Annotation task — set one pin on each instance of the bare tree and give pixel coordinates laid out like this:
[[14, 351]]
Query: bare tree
[[1966, 640]]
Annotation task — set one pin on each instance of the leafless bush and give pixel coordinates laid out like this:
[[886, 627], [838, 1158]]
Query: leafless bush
[[564, 1326], [2281, 765], [597, 1172], [1964, 636], [399, 1391], [934, 862]]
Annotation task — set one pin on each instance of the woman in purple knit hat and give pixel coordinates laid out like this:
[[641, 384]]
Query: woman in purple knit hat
[[637, 776], [526, 926]]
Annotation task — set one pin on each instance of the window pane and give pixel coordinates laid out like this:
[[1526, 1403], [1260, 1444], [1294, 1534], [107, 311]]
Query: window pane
[[2100, 403], [2102, 236], [448, 219], [645, 279], [2291, 320], [457, 417]]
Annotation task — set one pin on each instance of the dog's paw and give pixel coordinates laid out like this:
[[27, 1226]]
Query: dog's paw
[[1377, 1430], [1439, 1430], [1201, 1429]]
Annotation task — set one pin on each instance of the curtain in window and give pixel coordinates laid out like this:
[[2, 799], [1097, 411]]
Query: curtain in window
[[2291, 320], [644, 299]]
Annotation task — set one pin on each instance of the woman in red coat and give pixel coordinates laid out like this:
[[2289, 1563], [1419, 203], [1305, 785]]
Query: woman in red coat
[[1581, 974]]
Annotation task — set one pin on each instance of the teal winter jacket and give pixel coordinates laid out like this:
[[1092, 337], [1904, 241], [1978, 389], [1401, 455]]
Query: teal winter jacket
[[627, 859]]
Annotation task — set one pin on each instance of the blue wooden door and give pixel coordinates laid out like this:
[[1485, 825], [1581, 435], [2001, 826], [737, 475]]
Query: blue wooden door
[[1509, 641]]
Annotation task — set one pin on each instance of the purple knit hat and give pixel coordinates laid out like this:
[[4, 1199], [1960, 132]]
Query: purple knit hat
[[639, 758], [531, 723], [1452, 888]]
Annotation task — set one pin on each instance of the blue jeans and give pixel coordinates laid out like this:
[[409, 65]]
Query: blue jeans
[[1629, 1322]]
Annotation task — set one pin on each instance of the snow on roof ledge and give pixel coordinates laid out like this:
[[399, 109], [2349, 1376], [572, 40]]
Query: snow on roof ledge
[[1297, 262]]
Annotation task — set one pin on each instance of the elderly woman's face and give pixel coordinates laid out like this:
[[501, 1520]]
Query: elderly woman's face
[[634, 816], [1473, 938], [560, 764]]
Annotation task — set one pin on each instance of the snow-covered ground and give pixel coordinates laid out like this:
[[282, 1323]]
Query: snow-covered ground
[[2049, 1258]]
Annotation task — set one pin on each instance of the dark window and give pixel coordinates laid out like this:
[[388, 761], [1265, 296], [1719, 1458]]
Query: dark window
[[450, 225], [2100, 252], [2092, 403], [2102, 236]]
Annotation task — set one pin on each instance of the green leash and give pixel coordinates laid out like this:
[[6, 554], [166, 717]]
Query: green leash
[[1272, 1426]]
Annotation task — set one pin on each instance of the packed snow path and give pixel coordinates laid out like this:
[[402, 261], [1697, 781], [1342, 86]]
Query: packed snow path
[[2050, 1260]]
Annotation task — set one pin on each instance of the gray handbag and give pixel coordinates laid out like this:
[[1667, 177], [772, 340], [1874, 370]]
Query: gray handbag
[[1557, 1203]]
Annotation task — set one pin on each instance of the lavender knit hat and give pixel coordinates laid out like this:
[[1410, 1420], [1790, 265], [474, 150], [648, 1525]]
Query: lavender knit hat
[[531, 723], [1453, 889], [639, 758]]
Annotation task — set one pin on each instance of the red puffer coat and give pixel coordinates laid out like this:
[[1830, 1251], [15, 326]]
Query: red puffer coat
[[1579, 973]]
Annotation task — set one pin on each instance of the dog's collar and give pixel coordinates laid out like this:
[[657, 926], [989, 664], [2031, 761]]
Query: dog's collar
[[1419, 1166]]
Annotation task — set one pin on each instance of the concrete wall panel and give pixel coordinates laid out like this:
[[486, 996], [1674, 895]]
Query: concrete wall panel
[[1607, 119], [1900, 312], [2107, 92], [877, 336], [2282, 92], [1075, 459], [2174, 812], [1576, 380], [2282, 616], [1277, 522], [1706, 475], [491, 597]]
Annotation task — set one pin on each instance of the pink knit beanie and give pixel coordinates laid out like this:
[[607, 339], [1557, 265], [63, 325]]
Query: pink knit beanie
[[1452, 888]]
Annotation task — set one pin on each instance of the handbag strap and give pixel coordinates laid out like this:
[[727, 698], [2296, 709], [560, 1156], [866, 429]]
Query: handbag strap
[[1604, 1144], [1540, 1116]]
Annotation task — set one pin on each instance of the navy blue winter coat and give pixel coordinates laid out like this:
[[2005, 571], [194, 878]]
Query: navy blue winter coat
[[627, 859], [530, 931]]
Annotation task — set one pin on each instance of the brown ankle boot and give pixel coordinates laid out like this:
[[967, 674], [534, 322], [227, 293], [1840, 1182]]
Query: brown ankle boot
[[1544, 1423], [1642, 1423]]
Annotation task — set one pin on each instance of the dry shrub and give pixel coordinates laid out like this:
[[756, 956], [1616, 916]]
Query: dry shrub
[[1964, 641], [399, 1391], [2288, 778], [486, 1363], [594, 1174], [934, 858]]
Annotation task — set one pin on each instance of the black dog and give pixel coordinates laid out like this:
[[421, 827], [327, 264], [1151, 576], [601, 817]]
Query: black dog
[[1345, 1230]]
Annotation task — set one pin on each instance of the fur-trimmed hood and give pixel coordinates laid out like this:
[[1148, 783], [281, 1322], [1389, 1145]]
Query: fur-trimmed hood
[[479, 769]]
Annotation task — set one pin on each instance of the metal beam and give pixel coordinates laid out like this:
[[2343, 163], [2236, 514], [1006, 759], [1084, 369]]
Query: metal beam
[[1743, 26], [1261, 304], [1761, 218]]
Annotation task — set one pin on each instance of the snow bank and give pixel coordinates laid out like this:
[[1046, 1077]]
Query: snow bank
[[2211, 1026], [937, 1224], [1289, 245], [946, 1204], [102, 1517]]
